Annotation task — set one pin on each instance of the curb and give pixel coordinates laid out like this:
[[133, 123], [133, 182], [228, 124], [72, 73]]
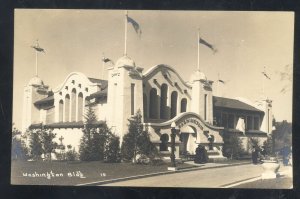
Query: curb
[[236, 183], [97, 183]]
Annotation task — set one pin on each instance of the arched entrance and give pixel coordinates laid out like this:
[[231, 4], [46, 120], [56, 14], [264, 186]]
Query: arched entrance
[[188, 138]]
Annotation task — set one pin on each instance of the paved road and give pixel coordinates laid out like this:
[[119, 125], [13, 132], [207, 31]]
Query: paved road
[[213, 178]]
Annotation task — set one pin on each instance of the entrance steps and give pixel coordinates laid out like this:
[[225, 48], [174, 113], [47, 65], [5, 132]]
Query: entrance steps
[[215, 156]]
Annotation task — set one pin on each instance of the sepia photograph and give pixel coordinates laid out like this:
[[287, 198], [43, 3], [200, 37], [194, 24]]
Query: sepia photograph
[[153, 98]]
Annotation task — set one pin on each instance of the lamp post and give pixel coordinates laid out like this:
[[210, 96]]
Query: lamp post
[[273, 140], [173, 135]]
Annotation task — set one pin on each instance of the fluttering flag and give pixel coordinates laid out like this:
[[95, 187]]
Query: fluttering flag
[[221, 81], [265, 74], [135, 25], [283, 90], [202, 41], [38, 48], [105, 60]]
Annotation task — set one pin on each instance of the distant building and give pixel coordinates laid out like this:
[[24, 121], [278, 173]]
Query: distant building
[[162, 96]]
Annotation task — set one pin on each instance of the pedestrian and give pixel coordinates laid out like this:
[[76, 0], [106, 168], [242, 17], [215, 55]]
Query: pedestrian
[[254, 155], [285, 155]]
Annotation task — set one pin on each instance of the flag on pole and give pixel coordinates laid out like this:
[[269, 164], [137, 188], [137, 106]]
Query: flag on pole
[[105, 60], [38, 48], [221, 81], [135, 25], [202, 41]]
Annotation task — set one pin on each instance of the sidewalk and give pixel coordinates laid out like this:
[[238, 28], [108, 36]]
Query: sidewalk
[[284, 180], [195, 168]]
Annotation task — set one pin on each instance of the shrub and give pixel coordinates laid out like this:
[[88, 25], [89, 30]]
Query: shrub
[[48, 145], [232, 147], [254, 142], [93, 141], [35, 144], [112, 149], [137, 141], [19, 150], [268, 146], [71, 155]]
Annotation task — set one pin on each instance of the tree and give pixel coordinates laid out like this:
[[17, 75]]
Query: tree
[[93, 141], [35, 144], [268, 146], [48, 144], [71, 154], [136, 141], [85, 148], [282, 134], [232, 147], [112, 149], [18, 147]]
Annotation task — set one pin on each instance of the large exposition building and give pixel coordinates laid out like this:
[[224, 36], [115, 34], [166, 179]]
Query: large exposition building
[[163, 98]]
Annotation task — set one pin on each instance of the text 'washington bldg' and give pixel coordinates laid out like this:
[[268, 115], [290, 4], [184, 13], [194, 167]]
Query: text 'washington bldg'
[[163, 98]]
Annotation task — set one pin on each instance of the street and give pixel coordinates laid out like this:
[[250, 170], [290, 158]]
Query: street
[[212, 178]]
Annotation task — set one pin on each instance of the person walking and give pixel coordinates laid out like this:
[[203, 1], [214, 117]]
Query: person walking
[[285, 155], [254, 155]]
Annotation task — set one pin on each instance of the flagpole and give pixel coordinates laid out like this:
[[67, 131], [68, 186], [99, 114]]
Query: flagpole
[[218, 85], [36, 60], [125, 50], [264, 83], [102, 74], [198, 63]]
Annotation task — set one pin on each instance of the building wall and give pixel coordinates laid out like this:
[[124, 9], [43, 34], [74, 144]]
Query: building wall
[[31, 113], [50, 113], [102, 111], [125, 94], [76, 86], [71, 137], [165, 82], [202, 103]]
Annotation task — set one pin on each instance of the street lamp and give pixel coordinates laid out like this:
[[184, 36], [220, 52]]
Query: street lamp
[[273, 140], [173, 135]]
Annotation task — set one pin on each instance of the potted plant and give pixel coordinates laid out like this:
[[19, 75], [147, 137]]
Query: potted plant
[[270, 165]]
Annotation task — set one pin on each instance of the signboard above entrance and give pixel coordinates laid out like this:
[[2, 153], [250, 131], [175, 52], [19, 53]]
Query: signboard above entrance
[[188, 121]]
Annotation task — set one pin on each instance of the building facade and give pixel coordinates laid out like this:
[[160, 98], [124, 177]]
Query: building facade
[[163, 98]]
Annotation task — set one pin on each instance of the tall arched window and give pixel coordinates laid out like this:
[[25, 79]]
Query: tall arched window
[[60, 110], [174, 96], [80, 107], [145, 105], [163, 101], [153, 114], [183, 105], [67, 108], [73, 105]]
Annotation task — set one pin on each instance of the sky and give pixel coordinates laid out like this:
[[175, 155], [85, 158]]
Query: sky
[[75, 40]]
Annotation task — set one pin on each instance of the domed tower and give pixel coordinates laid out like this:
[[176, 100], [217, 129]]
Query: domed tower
[[202, 96], [35, 90], [125, 94]]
